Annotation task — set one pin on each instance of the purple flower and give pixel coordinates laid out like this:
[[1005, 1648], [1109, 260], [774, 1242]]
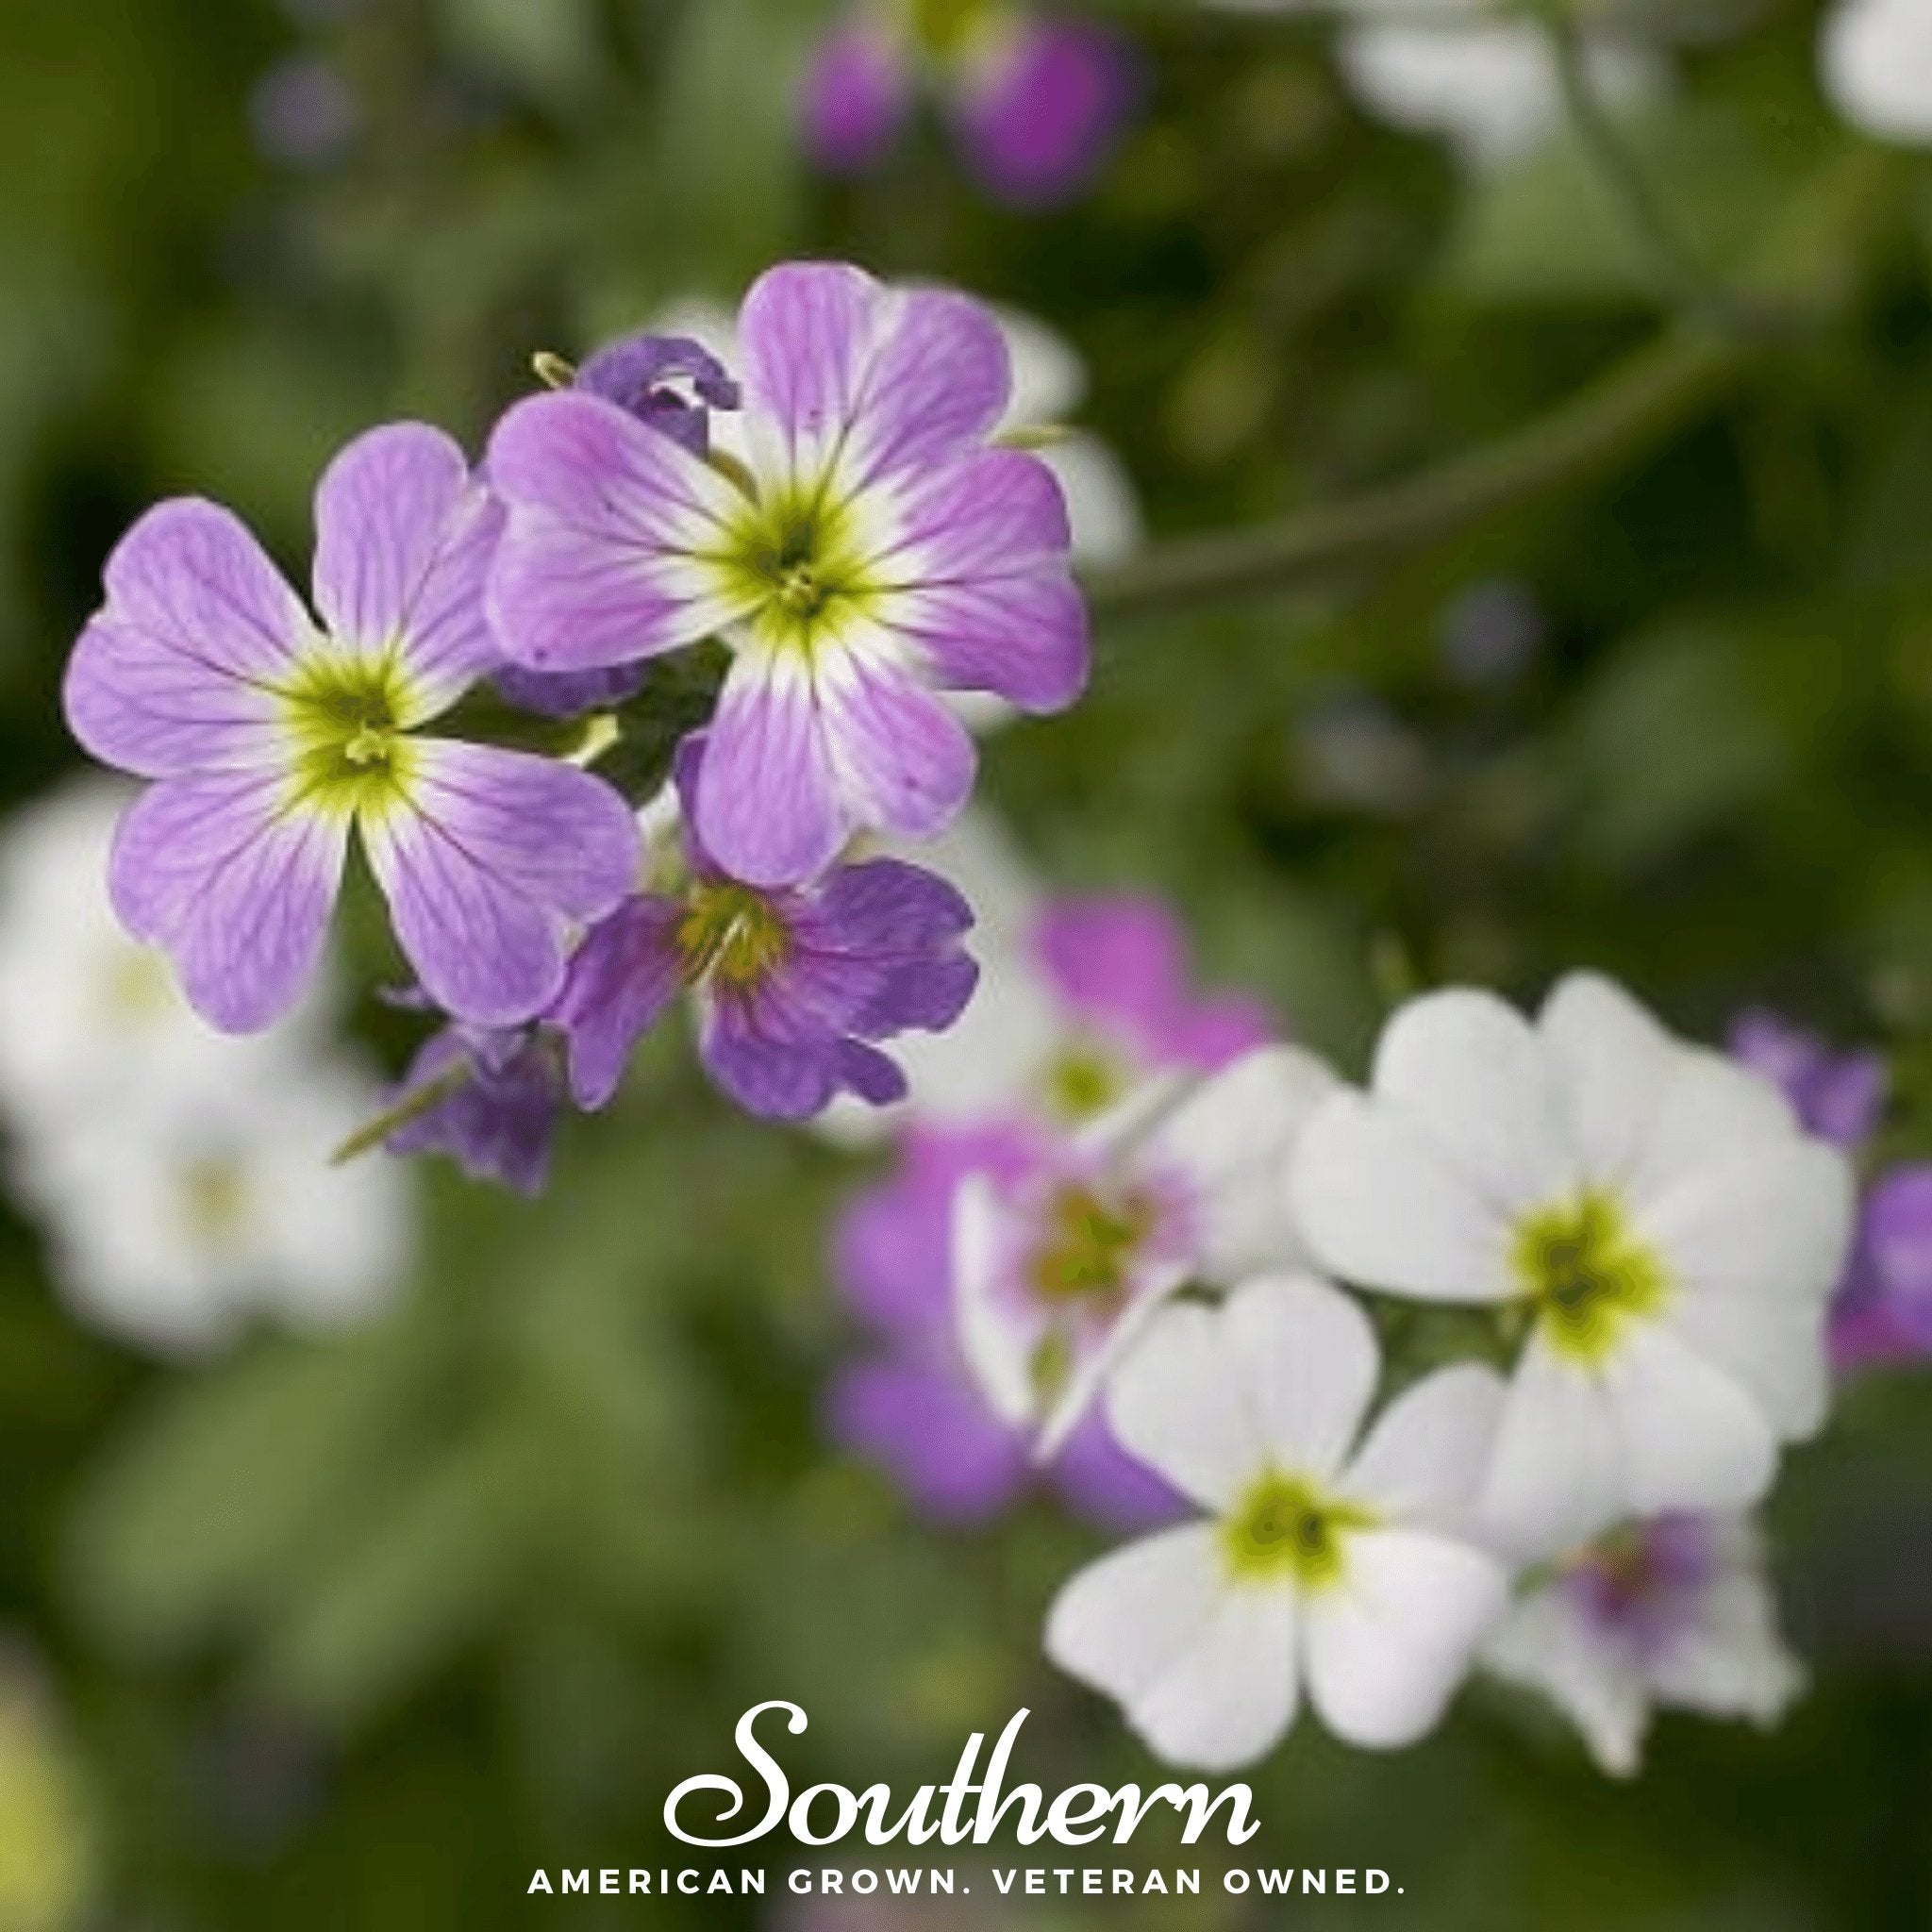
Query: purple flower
[[499, 1122], [1839, 1097], [1884, 1312], [792, 985], [875, 547], [271, 737], [1644, 1585], [1038, 104], [670, 383], [914, 1407]]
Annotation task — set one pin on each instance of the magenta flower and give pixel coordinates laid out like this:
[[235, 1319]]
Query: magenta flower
[[874, 549], [793, 986], [1839, 1097], [1037, 103], [914, 1405], [270, 736]]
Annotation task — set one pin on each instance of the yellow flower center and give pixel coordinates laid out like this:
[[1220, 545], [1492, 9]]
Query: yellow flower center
[[350, 719], [1586, 1274], [945, 28], [1090, 1245], [732, 932], [1081, 1081], [215, 1195], [1286, 1527], [794, 560]]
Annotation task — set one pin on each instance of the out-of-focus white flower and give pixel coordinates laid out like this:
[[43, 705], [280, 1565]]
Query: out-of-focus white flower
[[87, 1015], [172, 1218], [1489, 85], [1347, 1569], [1049, 387], [1054, 1280], [1673, 1612], [1650, 1215], [1877, 61]]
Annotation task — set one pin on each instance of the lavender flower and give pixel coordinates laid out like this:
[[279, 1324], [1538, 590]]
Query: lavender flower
[[270, 736], [499, 1123], [914, 1405], [669, 383], [792, 986], [1037, 103], [873, 548], [1882, 1311]]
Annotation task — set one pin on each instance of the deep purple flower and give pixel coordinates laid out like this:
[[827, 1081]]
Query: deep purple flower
[[1839, 1097], [876, 547], [1038, 104], [1884, 1312], [1644, 1585], [914, 1405], [271, 737], [500, 1123], [793, 986], [568, 693]]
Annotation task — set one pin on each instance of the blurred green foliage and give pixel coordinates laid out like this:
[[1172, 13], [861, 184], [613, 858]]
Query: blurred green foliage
[[360, 1633]]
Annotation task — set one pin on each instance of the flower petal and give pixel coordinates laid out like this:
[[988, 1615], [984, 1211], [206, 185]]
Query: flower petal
[[767, 804], [1473, 1075], [1389, 1643], [236, 888], [1308, 1358], [839, 369], [596, 565], [1428, 1453], [1177, 1404], [404, 538], [857, 95], [1232, 1138], [495, 857], [956, 1460], [1380, 1203], [1691, 1438], [620, 980], [1545, 1644], [170, 676], [1731, 1661], [1039, 118], [1613, 1061], [1205, 1672], [1555, 1475], [162, 713], [902, 762]]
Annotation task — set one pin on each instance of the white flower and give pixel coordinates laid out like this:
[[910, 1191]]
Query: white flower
[[1673, 1613], [1348, 1568], [171, 1220], [1490, 86], [1054, 1281], [87, 1016], [1649, 1211], [1877, 59]]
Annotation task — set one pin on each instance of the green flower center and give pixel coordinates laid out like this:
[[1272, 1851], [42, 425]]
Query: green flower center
[[350, 720], [1082, 1081], [732, 932], [794, 560], [1587, 1274], [945, 28], [215, 1195], [1285, 1527], [1089, 1247]]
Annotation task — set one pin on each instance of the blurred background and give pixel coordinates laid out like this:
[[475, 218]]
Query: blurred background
[[353, 1603]]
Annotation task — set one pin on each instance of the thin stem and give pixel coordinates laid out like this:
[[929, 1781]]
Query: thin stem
[[1613, 420], [406, 1111], [1807, 271], [1681, 280]]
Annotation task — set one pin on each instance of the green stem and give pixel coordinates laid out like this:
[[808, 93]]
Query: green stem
[[410, 1109], [1808, 270]]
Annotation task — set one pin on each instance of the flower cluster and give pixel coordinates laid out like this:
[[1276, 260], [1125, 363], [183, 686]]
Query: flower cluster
[[864, 546], [182, 1177], [1037, 103], [1645, 1237]]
